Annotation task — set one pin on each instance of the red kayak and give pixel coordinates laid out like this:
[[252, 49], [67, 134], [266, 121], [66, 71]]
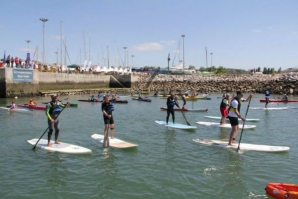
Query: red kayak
[[278, 100], [142, 99], [32, 107], [185, 109], [281, 190]]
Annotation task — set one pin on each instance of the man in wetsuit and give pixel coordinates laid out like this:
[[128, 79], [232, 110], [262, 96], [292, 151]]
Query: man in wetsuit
[[53, 110], [170, 104], [107, 108]]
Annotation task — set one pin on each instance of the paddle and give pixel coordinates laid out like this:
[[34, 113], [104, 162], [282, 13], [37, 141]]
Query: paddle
[[47, 129], [276, 101], [182, 113], [243, 125]]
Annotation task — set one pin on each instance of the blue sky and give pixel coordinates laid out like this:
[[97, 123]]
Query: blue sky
[[242, 34]]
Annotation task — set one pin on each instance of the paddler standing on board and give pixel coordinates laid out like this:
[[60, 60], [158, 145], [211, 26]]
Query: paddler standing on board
[[267, 94], [234, 114], [170, 104], [107, 109], [224, 108], [183, 99], [53, 110]]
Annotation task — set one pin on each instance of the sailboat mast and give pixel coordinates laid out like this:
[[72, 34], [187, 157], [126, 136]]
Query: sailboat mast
[[206, 59], [89, 49], [108, 56], [61, 42], [65, 52], [85, 45]]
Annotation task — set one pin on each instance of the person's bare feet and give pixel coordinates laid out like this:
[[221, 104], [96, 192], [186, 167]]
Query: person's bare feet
[[56, 142]]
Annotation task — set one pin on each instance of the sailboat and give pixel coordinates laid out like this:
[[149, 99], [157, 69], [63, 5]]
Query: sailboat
[[180, 68]]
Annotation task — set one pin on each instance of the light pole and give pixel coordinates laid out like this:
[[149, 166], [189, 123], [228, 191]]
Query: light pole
[[28, 41], [57, 57], [183, 50], [132, 60], [124, 56], [211, 62], [43, 52]]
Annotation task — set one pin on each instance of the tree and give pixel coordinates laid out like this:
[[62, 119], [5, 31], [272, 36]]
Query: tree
[[202, 68], [279, 70], [213, 69], [264, 70], [221, 70], [191, 67]]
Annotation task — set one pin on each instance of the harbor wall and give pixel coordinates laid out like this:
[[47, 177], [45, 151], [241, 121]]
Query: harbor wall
[[44, 83], [21, 82], [39, 82]]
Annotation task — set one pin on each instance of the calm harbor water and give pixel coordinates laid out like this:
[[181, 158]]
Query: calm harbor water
[[166, 164]]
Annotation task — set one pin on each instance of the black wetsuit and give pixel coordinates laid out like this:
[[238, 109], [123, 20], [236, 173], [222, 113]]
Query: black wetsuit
[[108, 108], [170, 104]]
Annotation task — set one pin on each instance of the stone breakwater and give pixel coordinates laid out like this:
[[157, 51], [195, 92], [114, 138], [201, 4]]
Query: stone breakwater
[[278, 83]]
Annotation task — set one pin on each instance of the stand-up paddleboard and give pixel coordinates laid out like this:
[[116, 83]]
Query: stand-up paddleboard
[[20, 110], [243, 146], [116, 143], [175, 125], [246, 126], [186, 109], [62, 147], [219, 118], [268, 108]]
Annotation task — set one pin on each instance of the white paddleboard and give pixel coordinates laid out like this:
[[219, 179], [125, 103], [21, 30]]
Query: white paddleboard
[[62, 147], [246, 126], [20, 110], [219, 118], [176, 125], [268, 108], [243, 146], [116, 143]]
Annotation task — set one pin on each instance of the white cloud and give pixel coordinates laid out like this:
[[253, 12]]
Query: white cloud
[[152, 46], [256, 31]]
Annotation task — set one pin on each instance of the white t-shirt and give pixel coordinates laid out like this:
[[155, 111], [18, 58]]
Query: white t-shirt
[[234, 104]]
